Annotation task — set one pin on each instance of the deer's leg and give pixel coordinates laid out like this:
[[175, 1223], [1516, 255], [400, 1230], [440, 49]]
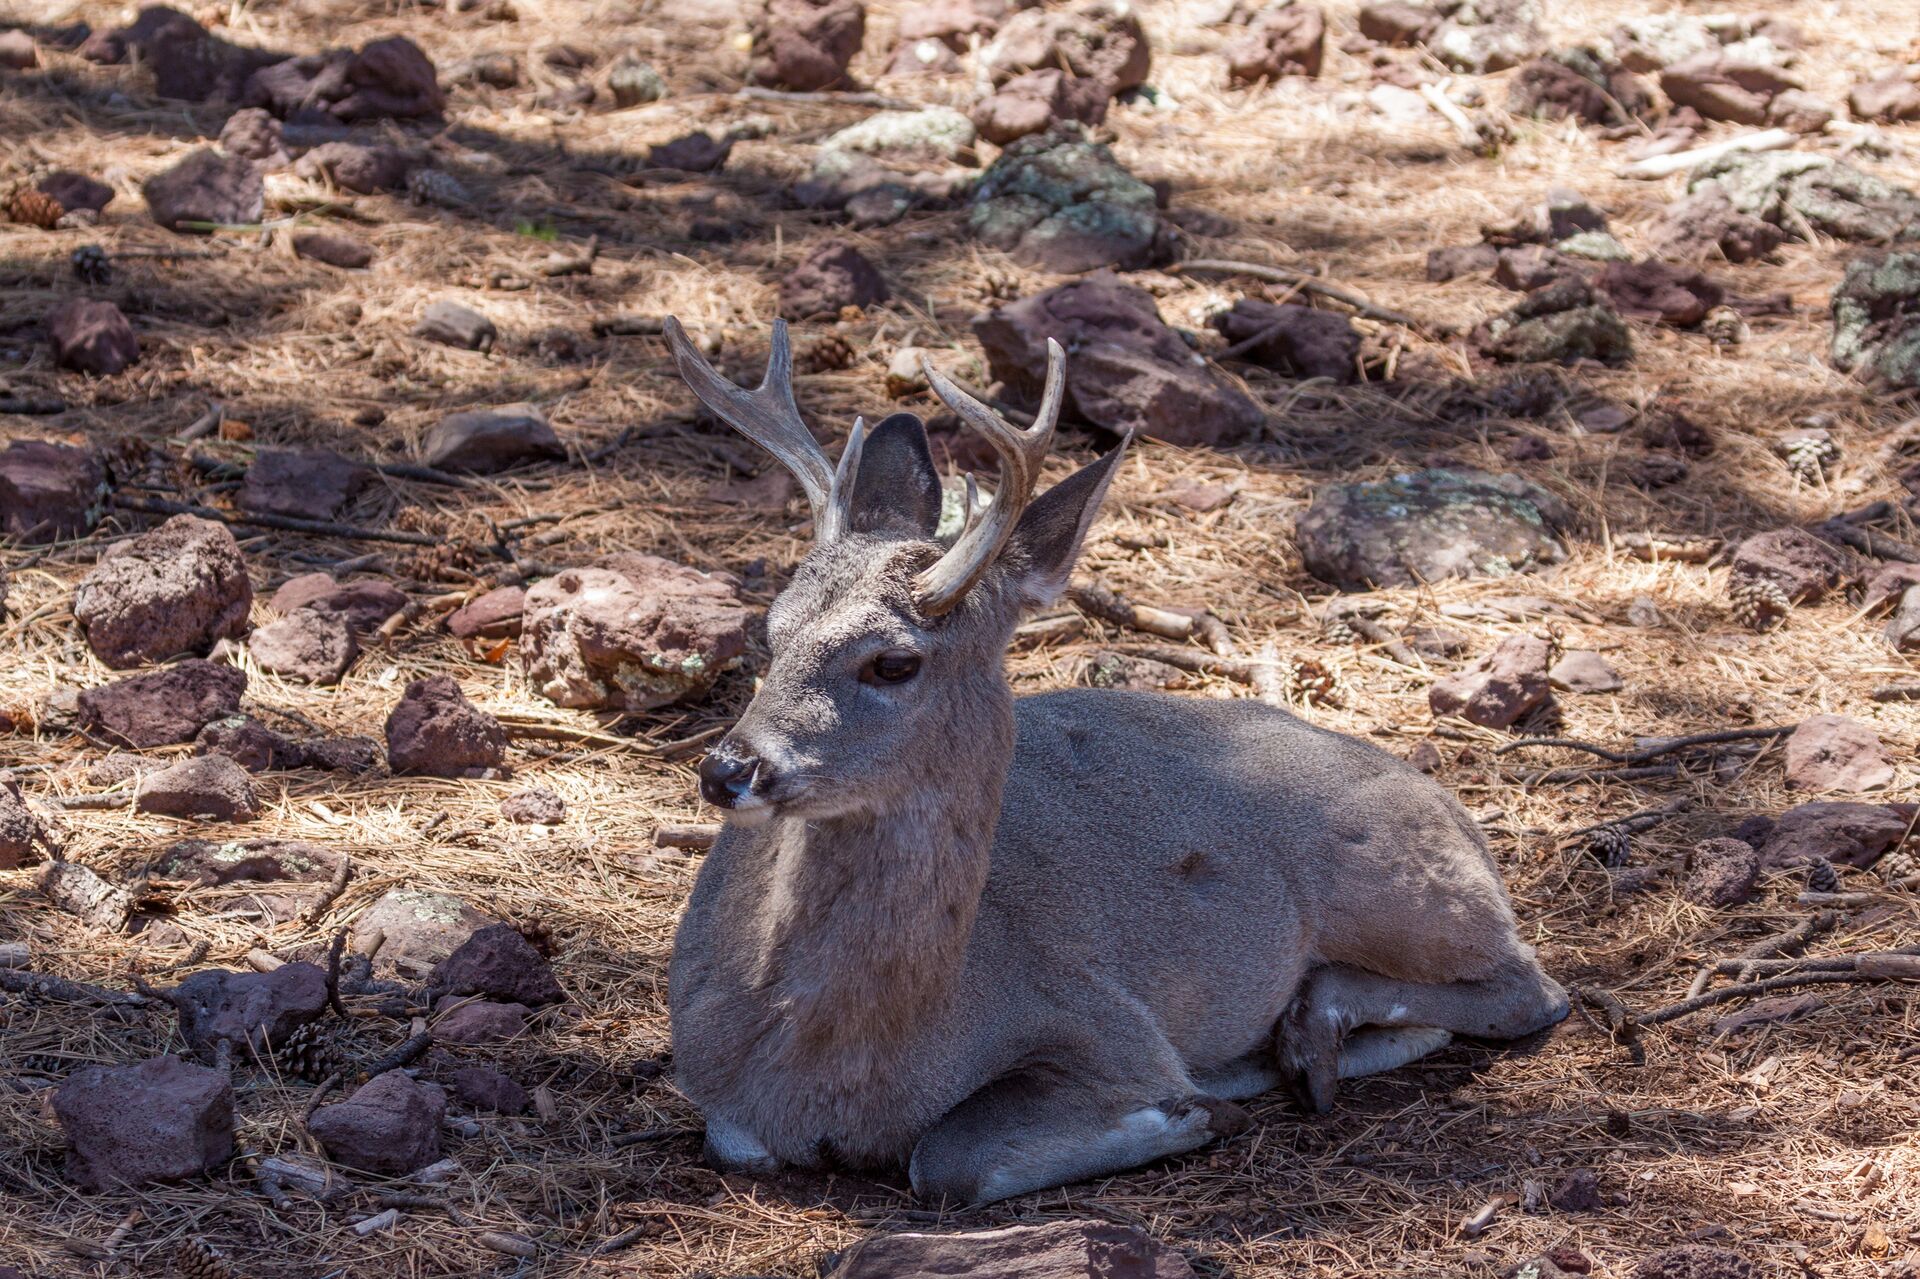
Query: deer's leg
[[1335, 999], [732, 1148], [1032, 1131]]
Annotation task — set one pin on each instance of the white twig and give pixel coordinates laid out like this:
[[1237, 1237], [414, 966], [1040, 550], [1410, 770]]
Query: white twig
[[1661, 166]]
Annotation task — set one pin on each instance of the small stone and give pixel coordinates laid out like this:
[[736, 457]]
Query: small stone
[[357, 167], [1660, 291], [1490, 35], [1125, 671], [1834, 753], [1577, 1191], [249, 743], [206, 187], [390, 1125], [534, 806], [1454, 261], [1723, 874], [1643, 613], [250, 1012], [1560, 323], [1705, 225], [1721, 87], [343, 251], [807, 45], [1399, 26], [17, 51], [1875, 333], [1286, 40], [494, 615], [310, 484], [484, 1088], [1695, 1261], [1527, 267], [1033, 101], [489, 440], [255, 135], [1498, 689], [76, 191], [1843, 832], [1799, 112], [92, 336], [49, 491], [478, 1021], [209, 786], [1301, 342], [1892, 98], [634, 83], [434, 731], [498, 961], [355, 755], [696, 152], [417, 929], [833, 276], [1429, 525], [1800, 192], [162, 707], [163, 1119], [312, 646], [365, 602], [1798, 565], [1580, 671], [1100, 40], [173, 590], [452, 324], [1053, 1250]]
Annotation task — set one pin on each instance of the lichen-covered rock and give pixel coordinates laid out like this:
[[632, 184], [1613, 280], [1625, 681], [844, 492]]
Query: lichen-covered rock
[[1797, 189], [834, 275], [207, 786], [275, 881], [434, 731], [499, 962], [173, 590], [1876, 319], [1480, 36], [932, 133], [1300, 341], [1658, 41], [808, 45], [247, 1011], [1559, 323], [635, 633], [1286, 40], [1501, 687], [489, 440], [1129, 371], [92, 336], [1059, 202], [1099, 40], [390, 1125], [1723, 873], [309, 645], [163, 1119], [1033, 101], [417, 929], [206, 188], [1429, 525], [162, 707], [308, 484], [49, 491], [1705, 225]]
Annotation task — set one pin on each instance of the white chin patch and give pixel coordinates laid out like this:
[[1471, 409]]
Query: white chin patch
[[754, 811]]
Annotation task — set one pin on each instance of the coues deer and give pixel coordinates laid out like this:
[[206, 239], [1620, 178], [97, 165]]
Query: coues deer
[[1012, 943]]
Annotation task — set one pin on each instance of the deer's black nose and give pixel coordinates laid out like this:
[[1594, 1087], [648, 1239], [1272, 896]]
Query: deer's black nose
[[726, 776]]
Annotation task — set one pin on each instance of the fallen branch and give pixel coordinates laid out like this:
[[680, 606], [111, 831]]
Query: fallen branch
[[325, 528], [1661, 166], [1307, 283], [427, 475], [32, 405], [78, 891], [62, 991], [330, 894], [1383, 639], [334, 954], [1846, 901], [1670, 747], [1897, 693], [1868, 542], [755, 93], [1102, 601], [1744, 990], [409, 1051], [694, 836]]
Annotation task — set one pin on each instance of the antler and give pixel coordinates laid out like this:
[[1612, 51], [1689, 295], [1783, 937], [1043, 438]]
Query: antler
[[768, 416], [940, 587]]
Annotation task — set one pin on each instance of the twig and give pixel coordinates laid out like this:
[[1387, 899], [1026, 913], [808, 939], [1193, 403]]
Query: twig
[[1669, 747], [330, 894], [197, 953], [270, 1183], [1102, 601], [1383, 639], [1308, 284], [61, 990], [1744, 990], [696, 836], [1248, 343], [204, 425], [1661, 166], [1239, 670], [1620, 1026], [754, 92], [334, 953], [427, 474], [646, 1135], [1868, 542], [410, 1051], [1556, 776], [1897, 693], [91, 803], [326, 528]]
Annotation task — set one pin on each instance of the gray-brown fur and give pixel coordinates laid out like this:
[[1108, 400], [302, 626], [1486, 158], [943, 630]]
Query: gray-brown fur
[[1010, 943]]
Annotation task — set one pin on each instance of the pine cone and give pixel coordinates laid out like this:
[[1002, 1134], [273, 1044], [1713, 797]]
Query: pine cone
[[1821, 877], [1311, 683], [310, 1052], [1759, 603], [195, 1260], [539, 935], [1610, 845], [1809, 453], [35, 207], [91, 265], [1725, 326], [1336, 631], [827, 355], [1897, 865], [437, 186]]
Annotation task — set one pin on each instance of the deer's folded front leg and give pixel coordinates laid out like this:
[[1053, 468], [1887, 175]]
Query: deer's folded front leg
[[1035, 1130]]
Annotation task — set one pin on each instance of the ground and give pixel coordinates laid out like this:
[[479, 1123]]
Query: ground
[[1792, 1142]]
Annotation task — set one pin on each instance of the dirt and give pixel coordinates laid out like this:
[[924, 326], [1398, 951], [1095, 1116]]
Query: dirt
[[1785, 1141]]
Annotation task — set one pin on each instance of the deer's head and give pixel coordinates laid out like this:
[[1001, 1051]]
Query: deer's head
[[888, 643]]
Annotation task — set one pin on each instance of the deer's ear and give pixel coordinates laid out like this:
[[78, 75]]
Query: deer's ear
[[897, 490], [1048, 538]]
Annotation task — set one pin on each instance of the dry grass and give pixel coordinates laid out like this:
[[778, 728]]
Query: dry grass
[[1788, 1141]]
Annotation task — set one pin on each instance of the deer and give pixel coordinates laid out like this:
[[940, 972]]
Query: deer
[[1007, 944]]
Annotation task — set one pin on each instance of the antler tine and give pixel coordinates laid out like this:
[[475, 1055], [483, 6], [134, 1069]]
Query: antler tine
[[837, 519], [766, 415], [941, 586]]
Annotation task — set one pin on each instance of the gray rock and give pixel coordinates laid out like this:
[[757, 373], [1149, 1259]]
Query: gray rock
[[451, 324], [1501, 687], [434, 731], [253, 134], [206, 187], [390, 1125], [163, 1119], [1059, 202], [1876, 319], [418, 929], [1835, 753], [162, 707], [1705, 225], [1837, 830], [49, 491], [343, 251], [248, 1012], [1559, 323], [1797, 189], [358, 167], [1581, 671], [92, 336], [1429, 525], [308, 645], [1890, 98], [170, 591], [308, 484], [271, 880], [1287, 39], [488, 440], [1099, 40], [207, 786]]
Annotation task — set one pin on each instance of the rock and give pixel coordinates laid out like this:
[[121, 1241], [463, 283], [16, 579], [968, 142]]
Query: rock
[[1654, 290], [1799, 565], [1796, 189], [1705, 225], [1058, 202], [832, 276], [1834, 753], [1577, 1191], [1581, 84], [1527, 267], [495, 615], [1595, 246], [1500, 688], [434, 731], [163, 1119], [92, 336], [1482, 36], [357, 167], [1580, 671], [250, 1012], [534, 806], [696, 152], [1652, 43], [155, 23], [249, 743], [18, 52], [484, 1088], [1563, 214], [224, 190], [932, 133], [388, 78], [162, 707], [632, 82], [1430, 525], [419, 929], [1886, 585], [1100, 40], [1129, 371], [1876, 319], [1799, 112], [391, 1125], [1033, 101], [1303, 343], [1846, 833], [1903, 630], [1454, 261], [1720, 87], [1399, 26], [76, 191], [354, 755], [365, 603], [1695, 1261], [489, 440], [478, 1021], [209, 786], [310, 645], [636, 633], [451, 324], [1055, 1250], [343, 251], [175, 589], [1723, 873], [1562, 322], [499, 962], [952, 22], [1125, 671], [1891, 98], [922, 57], [254, 135], [808, 44], [1288, 39], [21, 832], [310, 484], [49, 491]]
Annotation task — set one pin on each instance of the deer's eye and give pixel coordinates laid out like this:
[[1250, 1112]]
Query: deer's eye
[[891, 666]]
